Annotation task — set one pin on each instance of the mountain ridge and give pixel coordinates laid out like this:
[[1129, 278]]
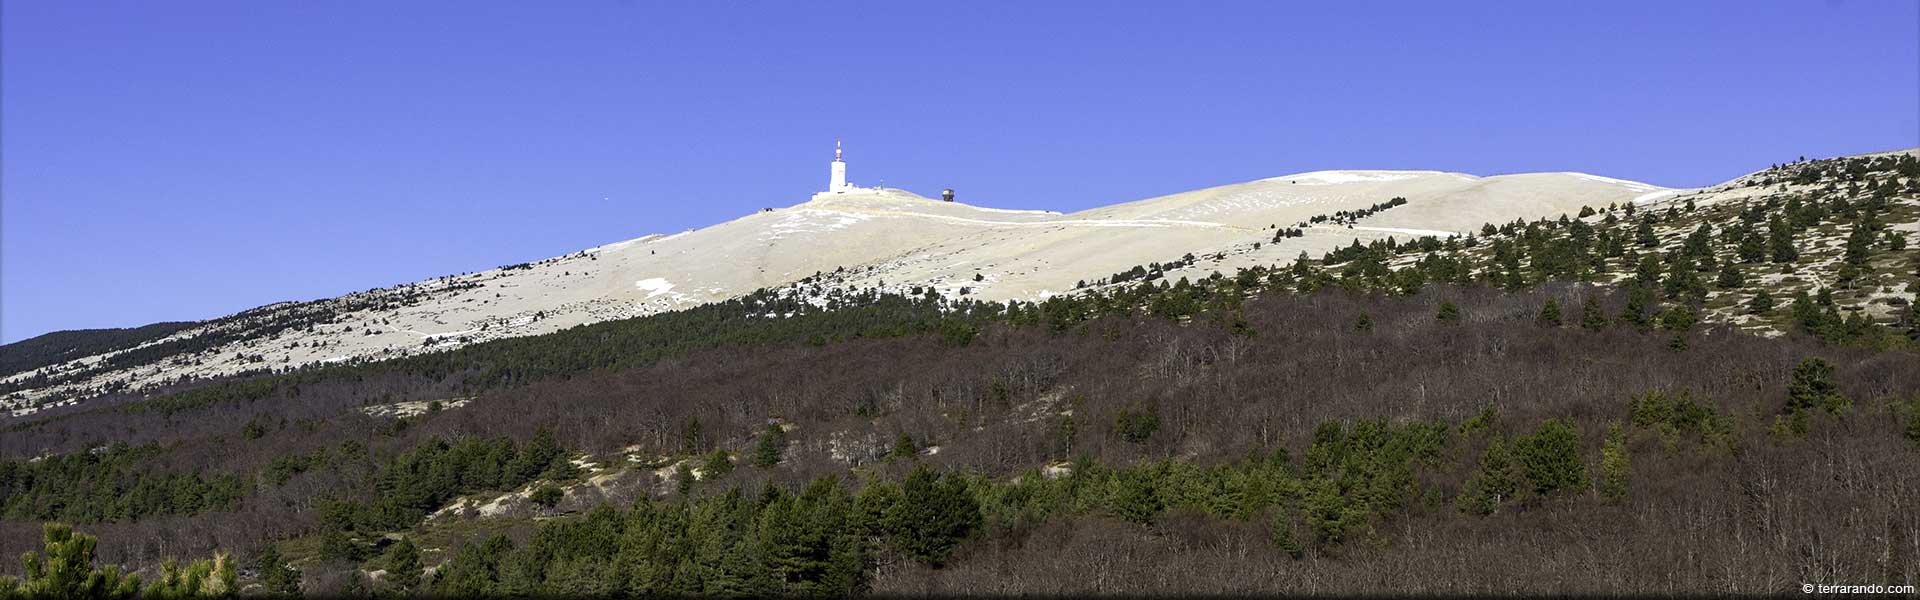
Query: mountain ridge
[[885, 239]]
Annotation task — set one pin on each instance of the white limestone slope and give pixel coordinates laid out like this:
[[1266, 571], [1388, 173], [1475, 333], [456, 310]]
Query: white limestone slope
[[884, 238]]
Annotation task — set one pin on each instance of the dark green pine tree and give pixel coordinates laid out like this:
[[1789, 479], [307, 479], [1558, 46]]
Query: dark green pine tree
[[1753, 247], [1449, 312], [1647, 272], [772, 444], [1549, 314], [1780, 241], [1699, 244], [1859, 246], [1761, 303], [934, 513], [1682, 280], [280, 578], [1551, 457], [1812, 387], [1731, 277], [1639, 302], [1498, 480], [718, 464], [1644, 235], [65, 570], [904, 447], [403, 565], [1592, 318]]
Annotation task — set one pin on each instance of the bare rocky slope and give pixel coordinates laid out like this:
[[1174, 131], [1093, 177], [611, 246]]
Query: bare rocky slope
[[866, 238]]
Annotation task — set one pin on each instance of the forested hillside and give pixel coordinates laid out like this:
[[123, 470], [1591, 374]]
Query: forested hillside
[[61, 346], [1569, 406]]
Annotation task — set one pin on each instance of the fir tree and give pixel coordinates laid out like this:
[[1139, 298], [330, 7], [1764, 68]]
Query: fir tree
[[280, 578], [1731, 277], [1812, 387], [1780, 241], [1644, 235], [547, 495], [1753, 248], [403, 565], [1591, 316], [904, 447], [1497, 481], [772, 444], [1549, 314], [1613, 466], [1551, 457], [1761, 303], [65, 570], [933, 515], [718, 464]]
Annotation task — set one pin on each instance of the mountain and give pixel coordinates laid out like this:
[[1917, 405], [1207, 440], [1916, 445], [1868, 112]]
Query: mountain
[[883, 239], [1394, 405]]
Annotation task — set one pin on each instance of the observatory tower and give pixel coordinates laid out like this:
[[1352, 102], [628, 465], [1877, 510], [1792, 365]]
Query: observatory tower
[[838, 183]]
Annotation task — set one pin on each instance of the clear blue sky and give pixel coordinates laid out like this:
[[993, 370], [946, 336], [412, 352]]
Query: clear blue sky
[[184, 160]]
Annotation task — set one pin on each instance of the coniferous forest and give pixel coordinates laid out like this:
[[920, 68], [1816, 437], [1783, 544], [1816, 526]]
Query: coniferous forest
[[1603, 404]]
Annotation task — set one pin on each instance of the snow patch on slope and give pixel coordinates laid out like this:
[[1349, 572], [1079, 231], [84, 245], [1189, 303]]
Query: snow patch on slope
[[1338, 177], [654, 286], [1631, 185]]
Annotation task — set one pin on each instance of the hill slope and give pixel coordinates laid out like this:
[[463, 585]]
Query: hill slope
[[882, 239]]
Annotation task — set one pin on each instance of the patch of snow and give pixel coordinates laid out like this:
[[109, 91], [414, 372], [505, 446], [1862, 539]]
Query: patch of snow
[[1339, 177], [1012, 210], [1652, 196], [1419, 232], [1631, 185], [654, 286]]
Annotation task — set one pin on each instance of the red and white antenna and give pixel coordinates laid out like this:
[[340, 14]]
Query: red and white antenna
[[836, 148]]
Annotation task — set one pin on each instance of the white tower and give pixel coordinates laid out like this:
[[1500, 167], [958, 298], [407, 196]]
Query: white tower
[[839, 181]]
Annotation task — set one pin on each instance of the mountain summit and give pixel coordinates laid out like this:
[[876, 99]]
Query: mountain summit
[[852, 237]]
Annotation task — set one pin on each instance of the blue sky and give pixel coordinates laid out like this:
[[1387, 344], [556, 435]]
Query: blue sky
[[186, 159]]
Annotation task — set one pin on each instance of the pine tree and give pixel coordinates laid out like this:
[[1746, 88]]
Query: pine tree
[[1859, 245], [1614, 467], [718, 464], [1753, 248], [65, 570], [403, 565], [1731, 277], [1551, 457], [280, 578], [772, 443], [933, 514], [691, 437], [1497, 481], [1284, 537], [1591, 316], [1644, 235], [1761, 303], [547, 495], [1549, 314], [1812, 387], [1133, 496], [197, 579], [904, 447], [1639, 301], [1780, 241], [1683, 280], [1449, 312]]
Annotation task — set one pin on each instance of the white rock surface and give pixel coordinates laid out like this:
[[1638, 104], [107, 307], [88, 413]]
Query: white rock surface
[[880, 235]]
